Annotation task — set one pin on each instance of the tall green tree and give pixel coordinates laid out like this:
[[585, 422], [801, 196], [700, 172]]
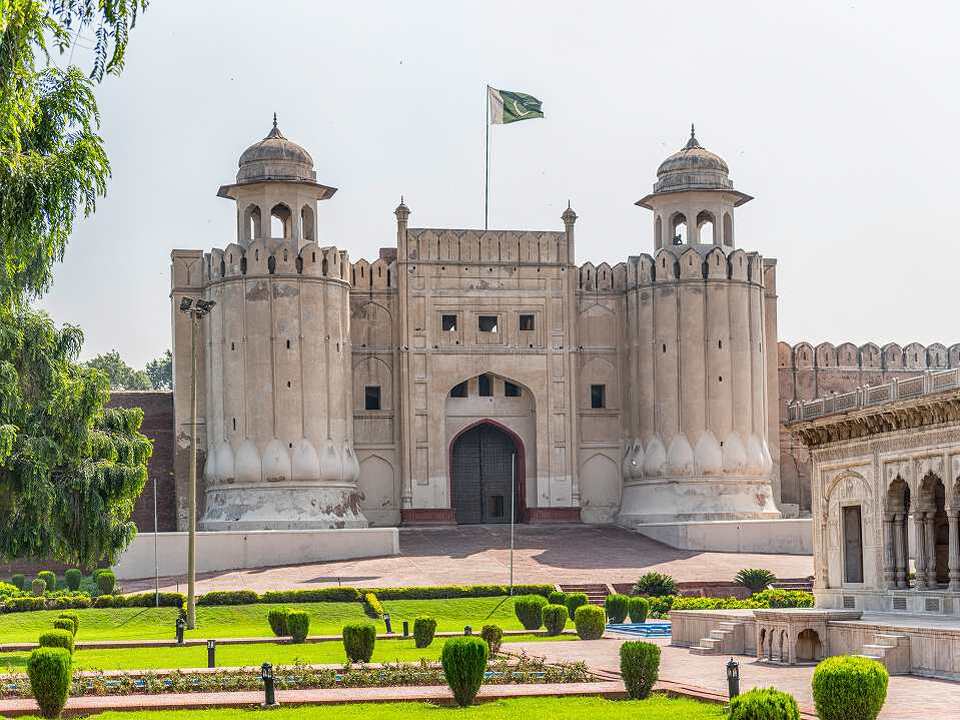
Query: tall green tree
[[70, 469], [160, 372], [120, 375]]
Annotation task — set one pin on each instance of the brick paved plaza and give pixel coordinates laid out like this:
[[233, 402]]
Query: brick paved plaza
[[479, 554]]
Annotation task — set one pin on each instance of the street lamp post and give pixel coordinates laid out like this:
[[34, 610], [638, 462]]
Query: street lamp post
[[196, 311]]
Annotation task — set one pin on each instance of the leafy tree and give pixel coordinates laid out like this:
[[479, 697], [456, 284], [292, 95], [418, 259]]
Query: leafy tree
[[120, 375], [160, 372], [70, 470]]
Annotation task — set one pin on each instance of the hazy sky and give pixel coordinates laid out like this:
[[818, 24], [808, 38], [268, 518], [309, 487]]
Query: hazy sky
[[839, 118]]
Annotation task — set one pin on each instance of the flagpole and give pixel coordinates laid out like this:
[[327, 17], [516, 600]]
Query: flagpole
[[486, 172]]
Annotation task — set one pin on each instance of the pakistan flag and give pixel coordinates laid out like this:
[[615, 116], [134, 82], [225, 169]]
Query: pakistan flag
[[507, 106]]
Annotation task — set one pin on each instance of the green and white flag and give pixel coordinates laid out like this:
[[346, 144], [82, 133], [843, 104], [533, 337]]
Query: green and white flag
[[507, 106]]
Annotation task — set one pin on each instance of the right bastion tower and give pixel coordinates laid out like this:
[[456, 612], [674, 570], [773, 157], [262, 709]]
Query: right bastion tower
[[701, 356]]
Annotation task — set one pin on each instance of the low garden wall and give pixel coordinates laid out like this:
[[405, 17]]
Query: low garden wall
[[228, 550], [781, 537]]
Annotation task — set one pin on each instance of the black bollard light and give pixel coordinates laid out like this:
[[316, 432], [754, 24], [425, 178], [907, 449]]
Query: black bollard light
[[733, 678], [181, 624], [211, 653], [406, 628], [467, 630], [269, 696], [386, 621]]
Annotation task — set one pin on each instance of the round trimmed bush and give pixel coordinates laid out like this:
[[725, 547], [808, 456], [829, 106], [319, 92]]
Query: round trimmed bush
[[529, 610], [72, 617], [616, 607], [846, 687], [49, 578], [57, 638], [298, 625], [464, 661], [277, 617], [38, 587], [656, 584], [73, 577], [555, 619], [764, 704], [557, 598], [639, 608], [358, 641], [639, 667], [575, 600], [493, 634], [424, 628], [49, 672], [106, 581], [18, 581], [64, 624], [590, 622]]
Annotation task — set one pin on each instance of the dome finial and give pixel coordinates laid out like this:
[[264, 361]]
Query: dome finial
[[692, 142], [275, 131], [275, 123]]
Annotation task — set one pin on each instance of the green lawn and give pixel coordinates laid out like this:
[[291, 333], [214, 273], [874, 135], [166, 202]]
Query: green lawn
[[243, 655], [326, 618], [657, 707]]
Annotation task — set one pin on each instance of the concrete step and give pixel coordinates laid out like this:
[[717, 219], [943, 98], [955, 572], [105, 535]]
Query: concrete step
[[712, 643], [719, 634], [697, 650], [877, 650]]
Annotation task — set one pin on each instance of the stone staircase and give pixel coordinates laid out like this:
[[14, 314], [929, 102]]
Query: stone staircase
[[891, 649], [727, 639], [596, 592]]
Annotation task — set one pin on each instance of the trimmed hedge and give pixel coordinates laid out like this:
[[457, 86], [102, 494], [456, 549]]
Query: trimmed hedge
[[555, 618], [846, 687], [529, 610], [277, 617], [49, 669], [448, 592], [72, 617], [337, 594], [590, 622], [50, 578], [65, 624], [616, 607], [73, 577], [638, 608], [24, 603], [8, 590], [106, 581], [229, 597], [493, 635], [358, 641], [298, 624], [575, 600], [38, 587], [765, 599], [639, 667], [424, 628], [557, 598], [764, 704], [372, 606], [464, 661], [18, 581], [57, 638]]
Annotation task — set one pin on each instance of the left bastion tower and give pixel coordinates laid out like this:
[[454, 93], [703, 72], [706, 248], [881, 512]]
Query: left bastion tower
[[275, 429]]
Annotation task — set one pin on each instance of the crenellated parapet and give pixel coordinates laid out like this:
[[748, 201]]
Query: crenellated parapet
[[276, 256], [869, 356], [436, 245]]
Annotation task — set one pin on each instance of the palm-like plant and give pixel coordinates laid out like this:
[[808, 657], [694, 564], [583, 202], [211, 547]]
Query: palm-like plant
[[755, 579]]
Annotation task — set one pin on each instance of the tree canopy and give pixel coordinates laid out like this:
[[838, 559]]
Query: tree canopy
[[70, 469], [120, 375], [160, 372]]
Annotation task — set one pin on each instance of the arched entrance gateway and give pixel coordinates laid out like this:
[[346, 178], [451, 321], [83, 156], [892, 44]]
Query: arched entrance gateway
[[481, 457]]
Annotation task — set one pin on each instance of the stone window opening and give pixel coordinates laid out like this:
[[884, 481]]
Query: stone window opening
[[511, 389], [251, 223], [678, 229], [280, 217], [727, 230], [271, 264], [598, 397], [223, 268], [485, 386], [526, 322], [324, 266], [706, 231], [289, 384], [306, 223], [720, 344], [459, 390], [234, 423], [371, 397], [487, 323], [448, 323], [852, 529]]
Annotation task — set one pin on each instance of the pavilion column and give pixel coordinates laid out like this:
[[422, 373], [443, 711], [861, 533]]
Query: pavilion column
[[900, 560], [931, 550], [904, 530], [953, 559], [920, 522], [889, 554]]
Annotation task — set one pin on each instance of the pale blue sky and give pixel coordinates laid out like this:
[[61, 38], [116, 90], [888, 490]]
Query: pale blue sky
[[838, 117]]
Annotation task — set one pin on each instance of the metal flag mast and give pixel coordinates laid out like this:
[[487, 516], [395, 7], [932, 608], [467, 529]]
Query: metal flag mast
[[486, 172]]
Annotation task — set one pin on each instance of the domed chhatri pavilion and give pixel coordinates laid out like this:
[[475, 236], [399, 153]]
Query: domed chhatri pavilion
[[424, 385]]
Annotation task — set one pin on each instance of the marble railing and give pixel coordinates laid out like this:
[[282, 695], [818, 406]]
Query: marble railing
[[929, 383]]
